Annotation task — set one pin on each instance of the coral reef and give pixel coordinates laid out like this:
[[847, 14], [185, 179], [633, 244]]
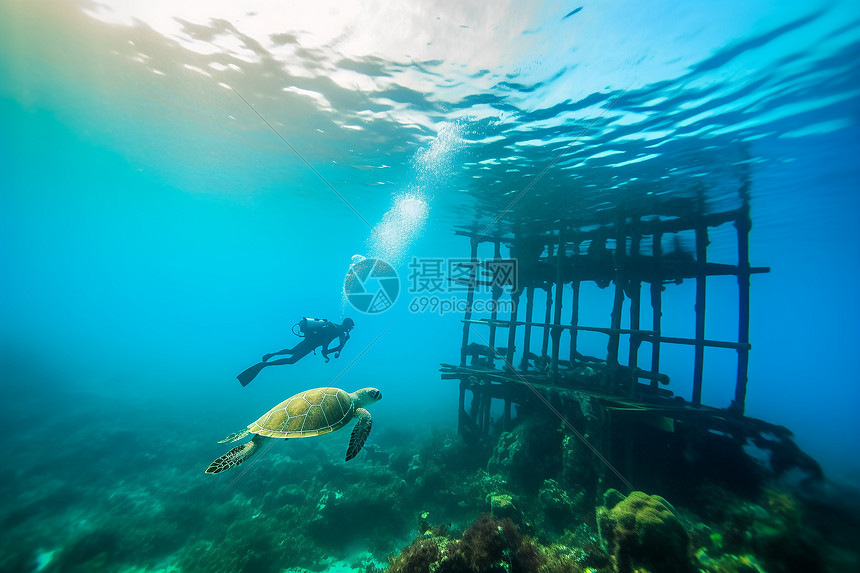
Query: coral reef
[[644, 533], [93, 507]]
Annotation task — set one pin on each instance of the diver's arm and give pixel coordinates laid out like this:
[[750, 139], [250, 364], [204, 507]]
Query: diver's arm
[[343, 338], [325, 350]]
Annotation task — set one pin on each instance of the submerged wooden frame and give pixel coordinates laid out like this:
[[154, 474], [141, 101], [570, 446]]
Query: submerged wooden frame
[[637, 257]]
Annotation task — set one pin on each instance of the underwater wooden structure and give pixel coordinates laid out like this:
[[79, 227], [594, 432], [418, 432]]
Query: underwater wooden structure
[[516, 357]]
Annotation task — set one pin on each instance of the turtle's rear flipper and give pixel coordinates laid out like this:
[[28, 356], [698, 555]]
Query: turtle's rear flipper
[[359, 433], [234, 457]]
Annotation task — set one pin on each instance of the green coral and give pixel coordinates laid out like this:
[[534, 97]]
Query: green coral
[[644, 533]]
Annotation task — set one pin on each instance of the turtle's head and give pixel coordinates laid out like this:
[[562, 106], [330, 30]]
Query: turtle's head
[[367, 396]]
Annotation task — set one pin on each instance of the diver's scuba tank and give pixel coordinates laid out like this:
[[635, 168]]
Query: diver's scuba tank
[[308, 325]]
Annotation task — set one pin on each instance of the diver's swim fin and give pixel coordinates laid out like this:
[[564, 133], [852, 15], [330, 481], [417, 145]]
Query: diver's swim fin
[[251, 373]]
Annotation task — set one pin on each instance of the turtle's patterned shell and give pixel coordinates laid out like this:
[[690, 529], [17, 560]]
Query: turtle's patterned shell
[[310, 413]]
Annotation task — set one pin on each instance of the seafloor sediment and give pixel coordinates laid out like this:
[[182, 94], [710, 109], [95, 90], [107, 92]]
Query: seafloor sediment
[[101, 488]]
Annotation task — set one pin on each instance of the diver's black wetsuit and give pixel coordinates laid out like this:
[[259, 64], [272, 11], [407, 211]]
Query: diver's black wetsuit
[[321, 336]]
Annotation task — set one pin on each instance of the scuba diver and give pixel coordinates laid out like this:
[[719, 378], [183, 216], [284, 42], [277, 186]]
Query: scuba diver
[[315, 332]]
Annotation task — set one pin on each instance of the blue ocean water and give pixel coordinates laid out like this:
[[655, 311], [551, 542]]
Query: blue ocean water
[[179, 185]]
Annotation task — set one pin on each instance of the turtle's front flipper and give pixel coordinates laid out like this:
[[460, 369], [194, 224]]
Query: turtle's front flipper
[[234, 436], [235, 456], [359, 433]]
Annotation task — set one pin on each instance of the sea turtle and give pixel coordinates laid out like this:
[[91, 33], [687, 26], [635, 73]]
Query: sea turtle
[[307, 414]]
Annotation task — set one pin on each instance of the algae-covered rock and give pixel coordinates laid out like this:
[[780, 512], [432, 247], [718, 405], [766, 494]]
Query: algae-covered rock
[[502, 506], [528, 454], [729, 564], [492, 544], [558, 509], [582, 543], [644, 533], [489, 545], [612, 497], [779, 538], [420, 556]]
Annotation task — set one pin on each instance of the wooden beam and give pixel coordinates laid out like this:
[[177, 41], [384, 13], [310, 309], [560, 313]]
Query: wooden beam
[[647, 269], [694, 341], [603, 329], [651, 223]]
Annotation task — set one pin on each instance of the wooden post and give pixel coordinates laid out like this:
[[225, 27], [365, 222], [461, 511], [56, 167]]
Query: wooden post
[[509, 359], [559, 294], [656, 304], [618, 302], [527, 334], [486, 407], [574, 304], [461, 406], [574, 320], [634, 288], [475, 404], [512, 329], [507, 410], [743, 225], [701, 276], [497, 292], [470, 299], [548, 316]]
